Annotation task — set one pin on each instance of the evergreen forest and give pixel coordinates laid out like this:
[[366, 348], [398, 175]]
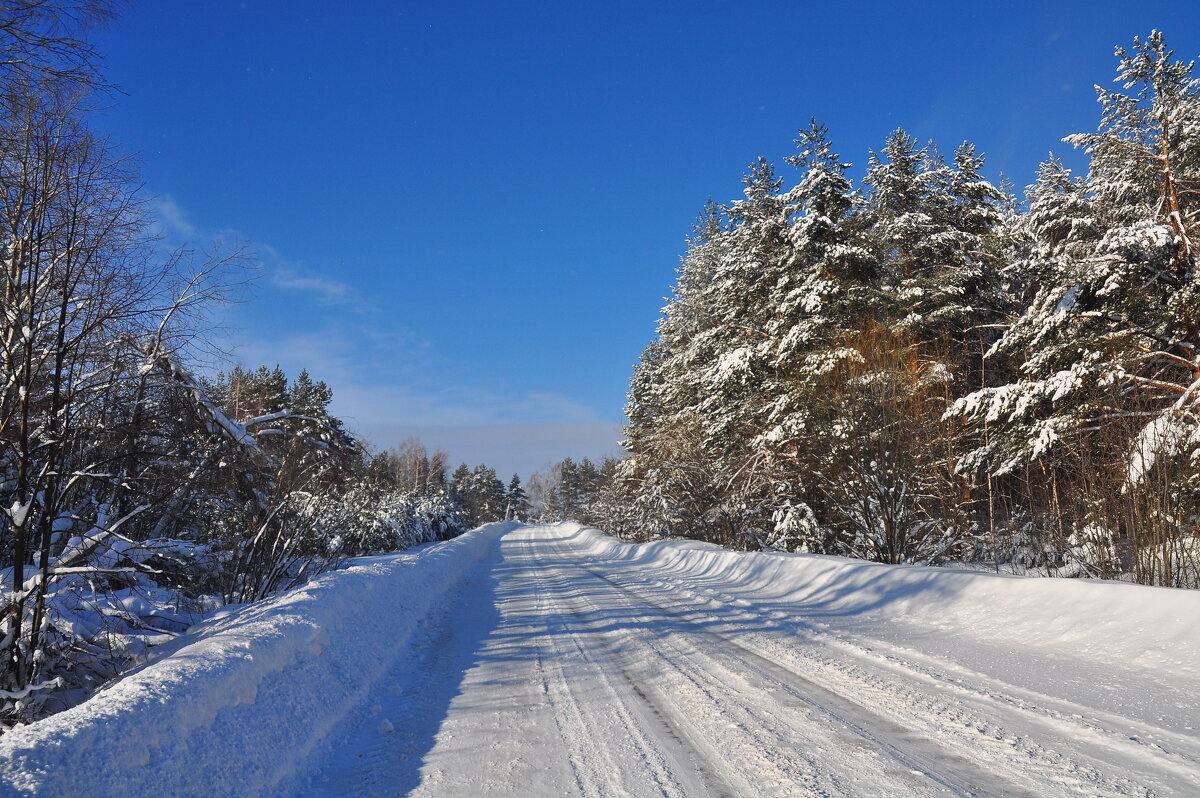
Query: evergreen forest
[[927, 367]]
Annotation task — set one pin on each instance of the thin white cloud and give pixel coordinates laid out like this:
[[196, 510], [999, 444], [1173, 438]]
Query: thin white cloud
[[380, 382], [388, 382], [170, 221], [176, 231], [330, 292]]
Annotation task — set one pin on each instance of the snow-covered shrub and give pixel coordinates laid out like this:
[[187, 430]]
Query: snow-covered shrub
[[796, 529], [884, 516], [380, 519], [101, 613], [1091, 551]]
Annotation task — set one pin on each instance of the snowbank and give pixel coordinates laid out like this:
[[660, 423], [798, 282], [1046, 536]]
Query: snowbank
[[1106, 622], [221, 715], [242, 702]]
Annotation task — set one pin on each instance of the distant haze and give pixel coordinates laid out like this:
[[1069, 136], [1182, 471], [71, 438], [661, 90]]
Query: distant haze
[[509, 448]]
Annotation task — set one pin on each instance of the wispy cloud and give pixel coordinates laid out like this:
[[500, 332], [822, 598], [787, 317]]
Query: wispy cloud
[[393, 380], [170, 221], [176, 230], [330, 292], [389, 383]]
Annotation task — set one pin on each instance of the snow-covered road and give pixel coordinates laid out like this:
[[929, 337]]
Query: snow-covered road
[[548, 661], [560, 670]]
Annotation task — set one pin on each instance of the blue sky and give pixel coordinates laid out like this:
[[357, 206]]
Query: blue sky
[[467, 214]]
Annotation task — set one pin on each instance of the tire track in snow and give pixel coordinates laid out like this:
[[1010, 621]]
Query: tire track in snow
[[658, 746], [766, 750], [976, 699], [717, 738], [581, 676], [948, 771], [969, 708]]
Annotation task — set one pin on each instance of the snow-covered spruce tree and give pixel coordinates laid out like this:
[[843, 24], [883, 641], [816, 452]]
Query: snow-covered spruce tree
[[459, 482], [907, 210], [479, 493], [969, 286], [567, 490], [730, 359], [939, 232], [516, 501], [666, 379], [487, 495], [1110, 369], [826, 289], [1024, 515], [738, 296], [664, 485], [645, 408]]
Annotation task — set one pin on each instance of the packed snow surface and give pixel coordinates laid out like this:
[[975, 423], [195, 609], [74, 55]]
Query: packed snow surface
[[554, 660]]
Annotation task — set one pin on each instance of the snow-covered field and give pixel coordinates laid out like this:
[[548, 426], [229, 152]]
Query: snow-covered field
[[535, 661]]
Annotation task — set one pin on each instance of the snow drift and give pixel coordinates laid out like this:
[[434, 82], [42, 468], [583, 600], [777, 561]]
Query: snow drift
[[242, 699], [1101, 621]]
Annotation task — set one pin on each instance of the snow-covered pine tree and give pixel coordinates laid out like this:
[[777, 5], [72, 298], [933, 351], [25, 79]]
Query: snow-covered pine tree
[[568, 489], [739, 295], [460, 483], [1109, 344], [662, 485], [963, 294], [516, 501], [488, 494], [826, 290], [308, 398], [1112, 333], [907, 212], [731, 359]]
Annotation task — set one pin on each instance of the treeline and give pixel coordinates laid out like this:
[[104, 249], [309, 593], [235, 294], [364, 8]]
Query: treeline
[[352, 502], [476, 494], [570, 490], [925, 368]]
